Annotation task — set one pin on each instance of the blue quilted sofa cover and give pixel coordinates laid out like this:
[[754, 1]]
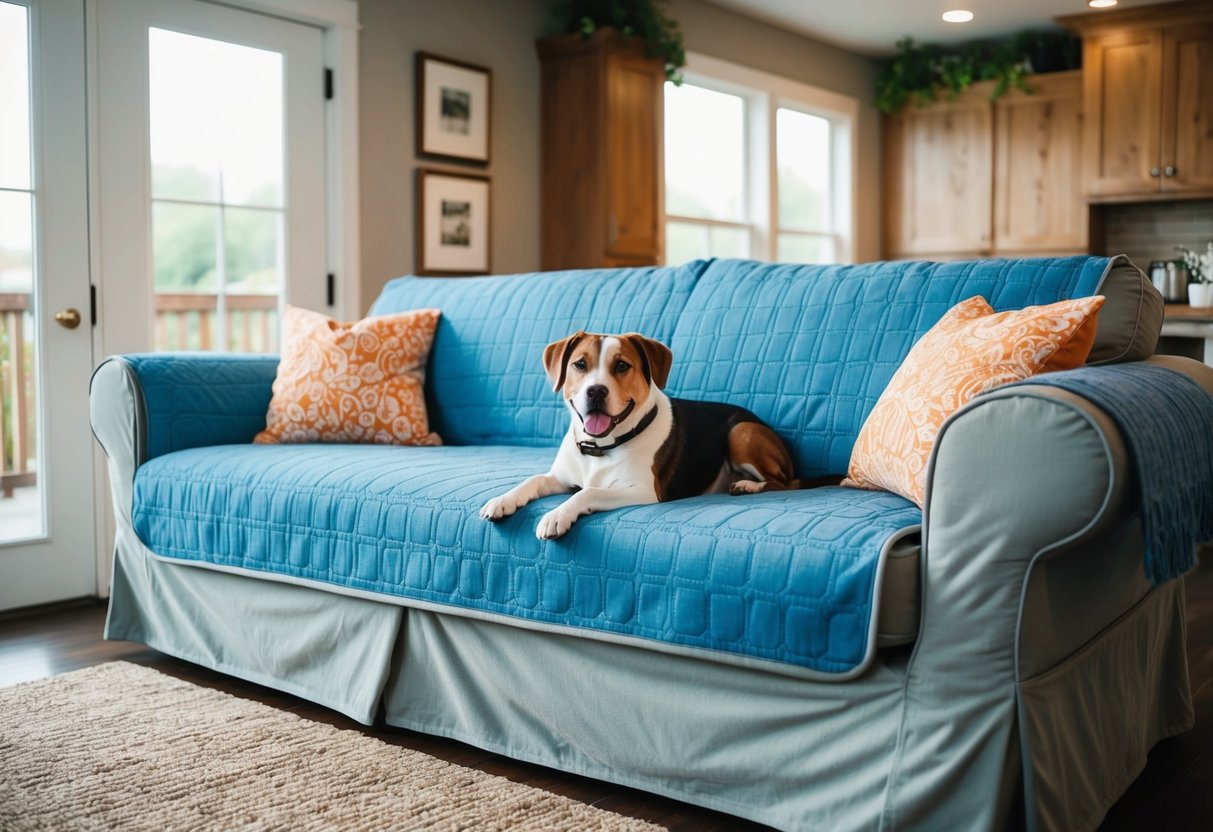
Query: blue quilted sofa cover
[[789, 579]]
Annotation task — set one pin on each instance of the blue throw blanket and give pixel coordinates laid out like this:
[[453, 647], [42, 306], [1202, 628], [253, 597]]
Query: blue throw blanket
[[1166, 419]]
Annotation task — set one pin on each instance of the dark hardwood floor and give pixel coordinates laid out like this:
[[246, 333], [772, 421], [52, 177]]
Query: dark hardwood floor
[[1175, 792]]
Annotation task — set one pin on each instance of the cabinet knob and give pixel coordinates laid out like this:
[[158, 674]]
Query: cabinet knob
[[1169, 170], [1155, 171]]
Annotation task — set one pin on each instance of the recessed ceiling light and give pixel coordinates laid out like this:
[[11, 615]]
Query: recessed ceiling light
[[958, 16], [1101, 4]]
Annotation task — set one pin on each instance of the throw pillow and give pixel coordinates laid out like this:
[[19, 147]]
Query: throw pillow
[[352, 382], [970, 350]]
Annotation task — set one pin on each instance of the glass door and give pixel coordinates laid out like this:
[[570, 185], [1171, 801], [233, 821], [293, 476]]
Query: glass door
[[211, 143], [46, 455]]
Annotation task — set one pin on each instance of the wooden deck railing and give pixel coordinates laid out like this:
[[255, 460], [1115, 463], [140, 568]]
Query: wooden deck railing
[[190, 322], [183, 322], [16, 395]]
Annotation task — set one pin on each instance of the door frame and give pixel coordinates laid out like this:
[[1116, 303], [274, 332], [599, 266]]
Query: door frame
[[338, 22], [54, 566]]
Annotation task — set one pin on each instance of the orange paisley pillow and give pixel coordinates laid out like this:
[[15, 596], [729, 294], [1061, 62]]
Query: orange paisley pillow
[[356, 382], [970, 350]]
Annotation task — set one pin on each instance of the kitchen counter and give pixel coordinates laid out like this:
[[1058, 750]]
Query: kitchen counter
[[1183, 321]]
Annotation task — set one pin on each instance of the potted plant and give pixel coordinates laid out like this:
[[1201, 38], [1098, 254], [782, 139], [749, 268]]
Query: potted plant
[[1200, 275], [921, 72], [645, 19]]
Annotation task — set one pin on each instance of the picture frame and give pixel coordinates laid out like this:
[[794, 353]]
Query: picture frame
[[453, 223], [454, 109]]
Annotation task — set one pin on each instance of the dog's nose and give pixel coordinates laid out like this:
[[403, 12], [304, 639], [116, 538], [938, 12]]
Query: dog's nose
[[596, 393]]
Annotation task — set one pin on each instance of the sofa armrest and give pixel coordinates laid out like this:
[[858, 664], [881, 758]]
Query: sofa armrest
[[1031, 548], [1035, 452], [1020, 478], [143, 406]]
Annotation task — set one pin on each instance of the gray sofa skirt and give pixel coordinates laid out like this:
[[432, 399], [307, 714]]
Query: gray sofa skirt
[[791, 753]]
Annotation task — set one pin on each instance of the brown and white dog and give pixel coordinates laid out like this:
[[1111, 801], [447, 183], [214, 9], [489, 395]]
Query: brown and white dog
[[631, 444]]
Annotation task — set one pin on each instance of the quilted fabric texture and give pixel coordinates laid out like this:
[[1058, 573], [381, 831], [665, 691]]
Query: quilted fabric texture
[[486, 383], [809, 349], [972, 349], [352, 382], [198, 399], [785, 577]]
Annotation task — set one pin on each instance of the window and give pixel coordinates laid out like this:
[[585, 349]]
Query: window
[[757, 166], [21, 510], [705, 213], [217, 192]]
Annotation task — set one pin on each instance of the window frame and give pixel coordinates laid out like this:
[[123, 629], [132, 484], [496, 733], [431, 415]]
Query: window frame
[[764, 95]]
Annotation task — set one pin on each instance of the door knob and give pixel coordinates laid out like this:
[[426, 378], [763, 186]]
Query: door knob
[[1155, 171], [1169, 170], [68, 318]]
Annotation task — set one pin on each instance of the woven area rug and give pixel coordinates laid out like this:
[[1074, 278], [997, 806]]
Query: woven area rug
[[119, 746]]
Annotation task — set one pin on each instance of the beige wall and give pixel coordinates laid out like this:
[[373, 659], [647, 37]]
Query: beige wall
[[500, 34]]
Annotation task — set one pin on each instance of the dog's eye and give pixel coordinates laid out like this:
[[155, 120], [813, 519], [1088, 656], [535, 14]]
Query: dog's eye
[[580, 364], [622, 366]]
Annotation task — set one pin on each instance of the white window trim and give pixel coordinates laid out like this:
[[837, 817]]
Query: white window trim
[[775, 91], [338, 20]]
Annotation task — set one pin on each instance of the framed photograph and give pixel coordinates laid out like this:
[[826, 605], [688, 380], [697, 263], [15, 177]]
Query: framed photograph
[[453, 111], [452, 223]]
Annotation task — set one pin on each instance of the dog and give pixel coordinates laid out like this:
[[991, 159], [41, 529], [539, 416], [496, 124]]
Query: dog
[[630, 444]]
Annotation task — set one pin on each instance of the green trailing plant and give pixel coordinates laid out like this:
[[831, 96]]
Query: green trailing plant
[[921, 73], [645, 19]]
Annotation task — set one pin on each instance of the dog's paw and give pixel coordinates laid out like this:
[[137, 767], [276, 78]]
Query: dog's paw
[[499, 507], [554, 524], [746, 487]]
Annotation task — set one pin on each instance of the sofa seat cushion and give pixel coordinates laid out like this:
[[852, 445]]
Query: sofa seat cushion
[[788, 581]]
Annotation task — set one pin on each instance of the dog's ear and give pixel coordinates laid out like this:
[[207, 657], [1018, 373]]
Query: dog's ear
[[655, 358], [556, 357]]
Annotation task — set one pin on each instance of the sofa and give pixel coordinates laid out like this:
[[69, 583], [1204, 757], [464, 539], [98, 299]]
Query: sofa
[[828, 658]]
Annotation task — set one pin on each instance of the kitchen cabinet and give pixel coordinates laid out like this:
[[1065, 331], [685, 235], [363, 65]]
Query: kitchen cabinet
[[1148, 98], [602, 152], [971, 177], [1038, 199], [939, 177]]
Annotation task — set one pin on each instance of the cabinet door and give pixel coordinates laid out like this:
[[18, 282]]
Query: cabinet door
[[1187, 124], [633, 148], [943, 160], [1038, 201], [572, 227], [1123, 105]]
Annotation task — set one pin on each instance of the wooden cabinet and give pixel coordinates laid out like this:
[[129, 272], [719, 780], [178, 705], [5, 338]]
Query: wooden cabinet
[[602, 152], [969, 177], [939, 177], [1148, 96], [1038, 199]]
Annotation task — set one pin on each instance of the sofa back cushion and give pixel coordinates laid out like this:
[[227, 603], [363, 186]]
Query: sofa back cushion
[[485, 380], [1131, 319], [809, 349]]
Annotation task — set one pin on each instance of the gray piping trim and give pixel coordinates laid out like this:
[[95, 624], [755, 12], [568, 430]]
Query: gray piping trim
[[140, 414], [640, 642], [1038, 393]]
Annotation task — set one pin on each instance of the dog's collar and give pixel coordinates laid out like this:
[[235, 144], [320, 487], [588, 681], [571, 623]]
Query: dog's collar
[[590, 449]]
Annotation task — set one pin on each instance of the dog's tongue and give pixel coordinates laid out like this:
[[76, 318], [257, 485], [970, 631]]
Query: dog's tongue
[[597, 423]]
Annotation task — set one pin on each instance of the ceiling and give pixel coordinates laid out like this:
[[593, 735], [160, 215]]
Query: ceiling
[[873, 27]]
